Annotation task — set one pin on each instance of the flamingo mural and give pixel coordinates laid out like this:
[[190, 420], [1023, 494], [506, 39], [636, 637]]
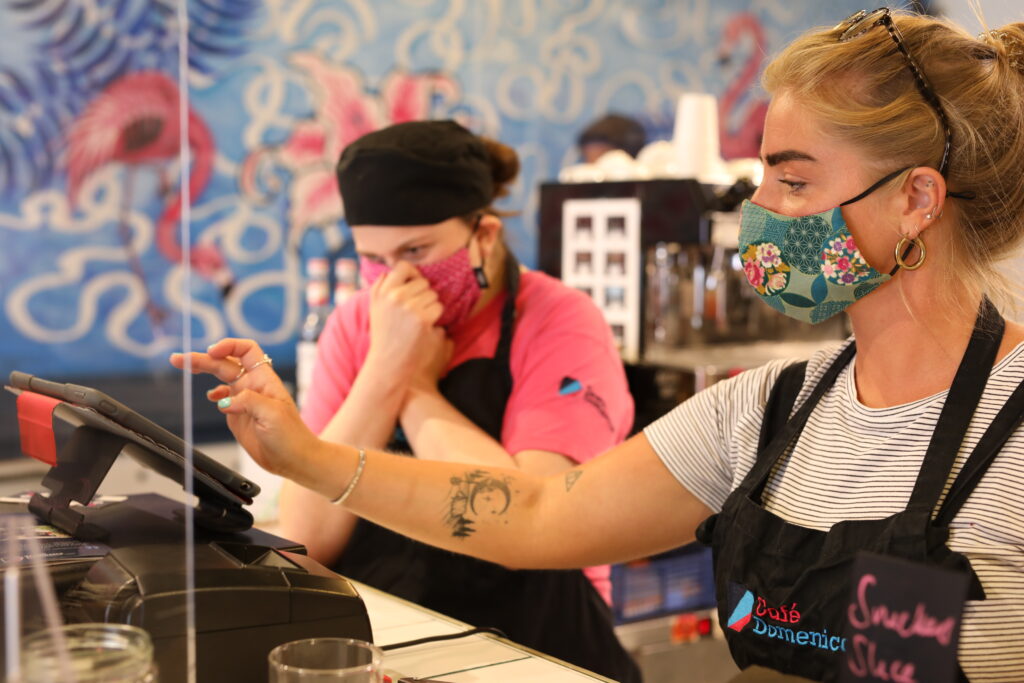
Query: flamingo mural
[[740, 130], [344, 109], [135, 121], [84, 88], [89, 196]]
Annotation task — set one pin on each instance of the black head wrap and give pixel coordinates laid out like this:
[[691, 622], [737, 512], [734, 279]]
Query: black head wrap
[[415, 173]]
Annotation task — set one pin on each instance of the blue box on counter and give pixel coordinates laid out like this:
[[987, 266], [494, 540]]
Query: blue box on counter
[[680, 580]]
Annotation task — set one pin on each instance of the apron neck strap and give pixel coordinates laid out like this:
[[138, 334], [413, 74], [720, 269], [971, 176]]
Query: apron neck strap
[[508, 310], [958, 408], [1005, 424], [784, 438]]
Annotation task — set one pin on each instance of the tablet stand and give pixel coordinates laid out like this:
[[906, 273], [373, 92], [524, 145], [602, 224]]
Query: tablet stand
[[82, 463]]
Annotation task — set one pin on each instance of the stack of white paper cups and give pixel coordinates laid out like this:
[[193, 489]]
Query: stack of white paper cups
[[695, 137]]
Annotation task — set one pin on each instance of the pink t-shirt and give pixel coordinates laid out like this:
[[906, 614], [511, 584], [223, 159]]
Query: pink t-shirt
[[569, 390]]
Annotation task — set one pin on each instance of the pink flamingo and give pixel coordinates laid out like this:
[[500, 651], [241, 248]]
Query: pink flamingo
[[743, 140], [408, 97], [135, 121], [343, 111]]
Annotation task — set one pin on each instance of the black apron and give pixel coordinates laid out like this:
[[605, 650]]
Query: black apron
[[558, 612], [803, 574]]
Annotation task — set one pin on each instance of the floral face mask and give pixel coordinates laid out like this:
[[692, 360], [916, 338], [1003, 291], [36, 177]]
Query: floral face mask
[[806, 267]]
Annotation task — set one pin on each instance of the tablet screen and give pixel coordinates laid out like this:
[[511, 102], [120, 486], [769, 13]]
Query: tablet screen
[[161, 450]]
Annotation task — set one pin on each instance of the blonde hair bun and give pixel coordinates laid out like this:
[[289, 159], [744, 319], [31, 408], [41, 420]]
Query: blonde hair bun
[[1008, 43]]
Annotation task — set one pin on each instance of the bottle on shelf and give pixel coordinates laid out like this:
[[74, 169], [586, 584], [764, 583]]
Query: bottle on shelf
[[318, 308], [346, 279], [690, 280], [664, 323], [726, 302]]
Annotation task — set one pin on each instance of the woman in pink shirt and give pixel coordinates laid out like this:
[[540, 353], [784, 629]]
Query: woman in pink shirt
[[455, 353]]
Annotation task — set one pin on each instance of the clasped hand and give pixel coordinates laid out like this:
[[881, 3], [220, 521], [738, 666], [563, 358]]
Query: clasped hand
[[406, 345]]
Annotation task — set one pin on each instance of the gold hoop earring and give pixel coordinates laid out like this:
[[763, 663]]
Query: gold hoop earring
[[902, 252]]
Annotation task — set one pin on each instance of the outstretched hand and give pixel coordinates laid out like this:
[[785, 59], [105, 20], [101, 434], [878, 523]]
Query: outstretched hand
[[259, 409]]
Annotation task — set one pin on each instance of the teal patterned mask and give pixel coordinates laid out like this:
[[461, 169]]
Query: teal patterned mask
[[807, 267]]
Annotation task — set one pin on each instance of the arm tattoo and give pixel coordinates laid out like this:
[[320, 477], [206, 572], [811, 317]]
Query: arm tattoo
[[475, 494], [571, 477]]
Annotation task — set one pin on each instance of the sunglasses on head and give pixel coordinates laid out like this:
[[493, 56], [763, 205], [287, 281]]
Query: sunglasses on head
[[861, 22]]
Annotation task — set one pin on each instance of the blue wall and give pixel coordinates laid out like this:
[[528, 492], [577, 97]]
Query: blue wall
[[91, 278]]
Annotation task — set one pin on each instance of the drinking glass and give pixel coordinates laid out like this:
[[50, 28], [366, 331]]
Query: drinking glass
[[89, 653], [325, 660]]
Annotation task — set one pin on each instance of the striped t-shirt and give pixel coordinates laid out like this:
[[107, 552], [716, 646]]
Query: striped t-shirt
[[855, 462]]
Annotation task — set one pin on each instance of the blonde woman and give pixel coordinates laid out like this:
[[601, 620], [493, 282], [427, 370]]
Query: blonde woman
[[892, 149]]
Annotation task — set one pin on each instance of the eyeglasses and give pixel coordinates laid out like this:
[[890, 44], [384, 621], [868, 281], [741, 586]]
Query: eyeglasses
[[863, 21]]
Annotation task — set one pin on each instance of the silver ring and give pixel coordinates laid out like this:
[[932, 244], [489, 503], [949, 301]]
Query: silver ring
[[241, 371], [266, 360]]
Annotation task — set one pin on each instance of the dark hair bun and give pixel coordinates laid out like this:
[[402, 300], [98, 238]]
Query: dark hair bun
[[504, 165]]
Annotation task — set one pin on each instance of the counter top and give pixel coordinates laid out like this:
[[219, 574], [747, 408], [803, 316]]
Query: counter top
[[473, 659], [724, 357]]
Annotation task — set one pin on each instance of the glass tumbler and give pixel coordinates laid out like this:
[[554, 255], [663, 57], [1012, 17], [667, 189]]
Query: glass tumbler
[[92, 653], [326, 660]]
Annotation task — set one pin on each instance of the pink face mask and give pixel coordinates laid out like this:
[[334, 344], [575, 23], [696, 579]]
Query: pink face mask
[[452, 278]]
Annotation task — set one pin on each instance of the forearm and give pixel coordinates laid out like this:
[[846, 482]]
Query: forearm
[[367, 417], [485, 512], [603, 511], [438, 431]]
